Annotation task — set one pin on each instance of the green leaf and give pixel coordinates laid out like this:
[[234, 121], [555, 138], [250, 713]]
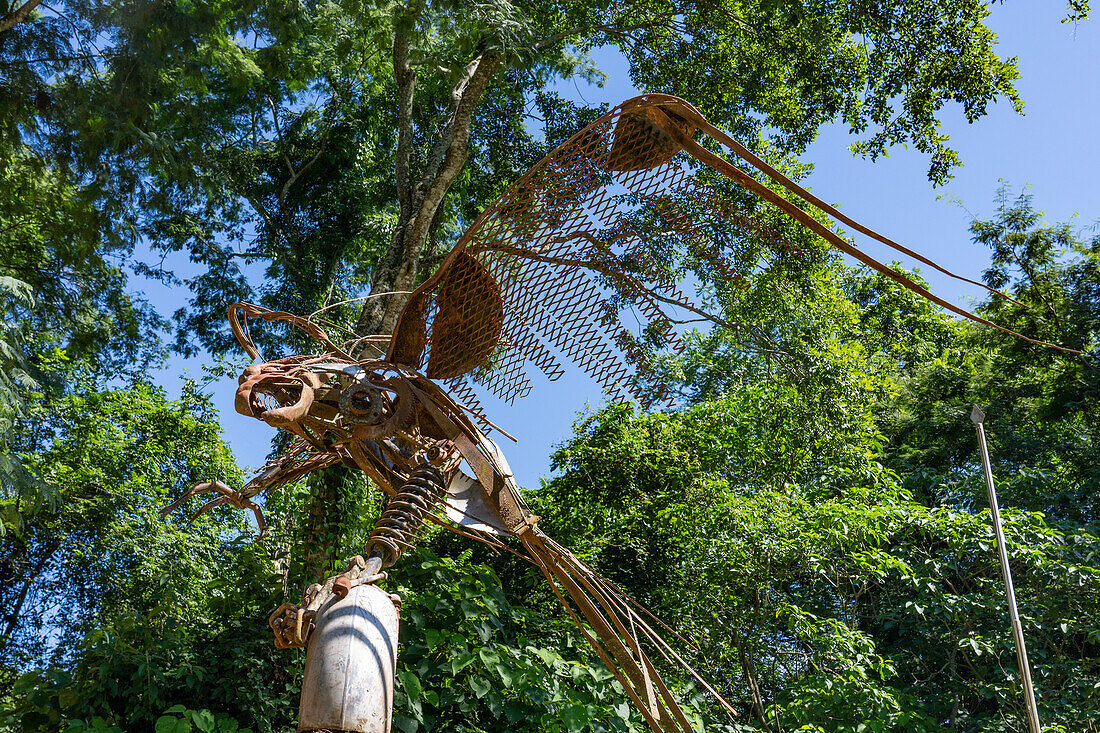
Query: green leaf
[[547, 656], [506, 674], [168, 724], [461, 661], [514, 711], [405, 723], [203, 720], [479, 685], [576, 717], [412, 686]]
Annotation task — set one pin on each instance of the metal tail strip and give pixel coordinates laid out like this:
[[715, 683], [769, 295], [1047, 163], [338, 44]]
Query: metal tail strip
[[625, 605], [607, 611], [747, 155], [618, 661]]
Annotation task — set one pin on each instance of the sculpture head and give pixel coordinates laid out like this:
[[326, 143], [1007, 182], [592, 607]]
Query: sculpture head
[[324, 401]]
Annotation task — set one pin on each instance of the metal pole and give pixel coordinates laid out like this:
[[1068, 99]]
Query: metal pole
[[978, 418], [350, 663]]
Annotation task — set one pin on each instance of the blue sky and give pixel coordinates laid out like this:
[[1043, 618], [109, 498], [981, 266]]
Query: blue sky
[[1053, 147]]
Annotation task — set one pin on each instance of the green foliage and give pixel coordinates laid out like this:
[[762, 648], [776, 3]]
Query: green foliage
[[848, 605], [59, 290], [1043, 407], [110, 459], [14, 478], [176, 719], [197, 720], [810, 518], [475, 660], [135, 614], [884, 68], [813, 519]]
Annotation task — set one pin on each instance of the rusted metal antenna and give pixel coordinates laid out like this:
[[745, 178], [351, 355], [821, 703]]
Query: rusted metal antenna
[[977, 416]]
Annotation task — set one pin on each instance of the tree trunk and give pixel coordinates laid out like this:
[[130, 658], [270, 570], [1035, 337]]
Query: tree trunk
[[373, 318], [420, 205], [324, 522], [12, 617], [754, 686], [18, 15]]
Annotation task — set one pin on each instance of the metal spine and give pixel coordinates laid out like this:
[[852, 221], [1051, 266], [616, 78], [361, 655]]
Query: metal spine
[[399, 524]]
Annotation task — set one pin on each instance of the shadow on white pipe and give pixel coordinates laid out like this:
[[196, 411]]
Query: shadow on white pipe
[[350, 664]]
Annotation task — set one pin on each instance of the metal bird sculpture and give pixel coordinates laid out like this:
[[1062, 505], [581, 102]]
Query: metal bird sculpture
[[543, 273]]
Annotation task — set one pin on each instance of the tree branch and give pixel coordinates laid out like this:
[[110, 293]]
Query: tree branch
[[612, 30], [450, 153], [401, 263], [18, 15], [279, 132], [425, 62], [466, 94], [459, 121], [12, 617], [57, 59], [296, 175], [19, 222], [258, 206], [406, 86]]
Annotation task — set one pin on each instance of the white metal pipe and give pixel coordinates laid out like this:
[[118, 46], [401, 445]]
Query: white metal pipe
[[350, 664], [978, 418]]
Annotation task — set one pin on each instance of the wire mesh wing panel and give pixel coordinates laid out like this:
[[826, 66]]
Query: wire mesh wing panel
[[549, 269], [608, 224]]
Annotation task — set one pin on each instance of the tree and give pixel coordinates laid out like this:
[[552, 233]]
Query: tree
[[61, 287], [811, 516], [1043, 408], [818, 593], [110, 456], [199, 124], [128, 621]]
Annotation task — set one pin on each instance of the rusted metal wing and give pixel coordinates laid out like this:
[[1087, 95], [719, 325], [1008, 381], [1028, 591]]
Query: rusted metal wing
[[545, 272]]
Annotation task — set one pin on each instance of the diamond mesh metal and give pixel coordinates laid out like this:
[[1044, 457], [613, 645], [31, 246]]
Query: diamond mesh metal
[[601, 233], [549, 270]]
